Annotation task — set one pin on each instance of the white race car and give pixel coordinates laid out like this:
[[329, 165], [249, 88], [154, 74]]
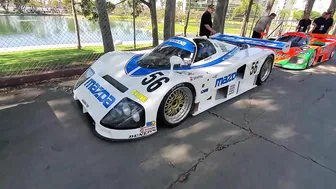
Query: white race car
[[128, 95]]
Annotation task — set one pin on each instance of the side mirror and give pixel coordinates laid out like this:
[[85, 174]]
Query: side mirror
[[175, 60]]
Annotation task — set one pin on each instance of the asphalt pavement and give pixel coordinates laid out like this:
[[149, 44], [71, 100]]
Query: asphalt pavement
[[281, 135]]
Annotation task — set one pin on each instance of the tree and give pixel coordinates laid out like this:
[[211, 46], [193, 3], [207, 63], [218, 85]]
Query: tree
[[220, 14], [284, 13], [169, 20], [151, 4], [244, 9], [180, 5], [298, 15], [54, 3], [4, 4], [34, 4], [162, 2], [104, 24], [246, 18], [67, 5], [89, 10], [269, 6], [332, 7], [187, 20], [314, 15], [309, 7], [20, 5]]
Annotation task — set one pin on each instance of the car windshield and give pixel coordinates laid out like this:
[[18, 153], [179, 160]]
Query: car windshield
[[160, 56], [296, 41]]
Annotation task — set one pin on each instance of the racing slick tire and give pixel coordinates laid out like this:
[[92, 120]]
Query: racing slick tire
[[311, 60], [176, 105], [332, 54], [265, 70]]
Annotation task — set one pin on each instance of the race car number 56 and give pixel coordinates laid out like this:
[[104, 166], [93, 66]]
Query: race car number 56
[[254, 68], [154, 81]]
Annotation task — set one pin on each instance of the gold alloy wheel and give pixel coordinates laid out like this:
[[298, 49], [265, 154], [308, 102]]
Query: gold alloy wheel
[[178, 105]]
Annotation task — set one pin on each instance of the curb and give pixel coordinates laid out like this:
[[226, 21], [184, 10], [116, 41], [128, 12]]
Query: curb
[[19, 80]]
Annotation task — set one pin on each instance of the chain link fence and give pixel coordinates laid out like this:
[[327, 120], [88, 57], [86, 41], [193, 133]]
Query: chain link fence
[[31, 44]]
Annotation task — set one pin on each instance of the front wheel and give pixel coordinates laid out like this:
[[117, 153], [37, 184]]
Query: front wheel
[[265, 70], [176, 105], [311, 59], [332, 53]]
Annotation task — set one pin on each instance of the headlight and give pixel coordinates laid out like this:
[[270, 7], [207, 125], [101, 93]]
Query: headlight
[[301, 61], [86, 75], [297, 60], [127, 114]]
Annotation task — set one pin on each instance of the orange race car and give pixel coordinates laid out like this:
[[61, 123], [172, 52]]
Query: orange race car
[[306, 50]]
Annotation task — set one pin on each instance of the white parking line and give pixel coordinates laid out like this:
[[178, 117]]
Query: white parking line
[[14, 105]]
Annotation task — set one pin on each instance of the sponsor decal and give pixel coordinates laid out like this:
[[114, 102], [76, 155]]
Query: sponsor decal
[[232, 89], [102, 95], [183, 43], [282, 55], [141, 134], [139, 96], [150, 127], [226, 79], [185, 72], [151, 123], [204, 90], [196, 77]]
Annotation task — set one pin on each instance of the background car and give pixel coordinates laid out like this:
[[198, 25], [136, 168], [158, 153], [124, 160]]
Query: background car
[[306, 50], [128, 95]]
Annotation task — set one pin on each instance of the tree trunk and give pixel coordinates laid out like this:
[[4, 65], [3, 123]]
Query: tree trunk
[[187, 20], [154, 23], [269, 7], [225, 12], [169, 19], [309, 6], [246, 19], [104, 25], [152, 9], [332, 7], [76, 24], [220, 14]]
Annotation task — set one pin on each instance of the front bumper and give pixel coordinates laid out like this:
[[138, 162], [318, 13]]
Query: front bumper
[[291, 66], [97, 112]]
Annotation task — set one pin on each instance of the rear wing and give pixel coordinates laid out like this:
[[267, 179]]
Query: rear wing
[[251, 41]]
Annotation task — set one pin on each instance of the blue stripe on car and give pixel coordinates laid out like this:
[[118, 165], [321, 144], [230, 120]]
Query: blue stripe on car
[[132, 64], [146, 71], [181, 43]]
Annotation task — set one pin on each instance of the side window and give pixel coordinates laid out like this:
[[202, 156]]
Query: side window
[[204, 49]]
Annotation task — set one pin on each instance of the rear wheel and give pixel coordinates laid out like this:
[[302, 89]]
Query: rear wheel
[[265, 70], [176, 105], [311, 59]]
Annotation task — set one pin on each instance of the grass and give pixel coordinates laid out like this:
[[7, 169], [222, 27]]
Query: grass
[[47, 59]]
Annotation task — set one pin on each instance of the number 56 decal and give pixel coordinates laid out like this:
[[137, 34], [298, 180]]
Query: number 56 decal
[[254, 68], [154, 81]]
